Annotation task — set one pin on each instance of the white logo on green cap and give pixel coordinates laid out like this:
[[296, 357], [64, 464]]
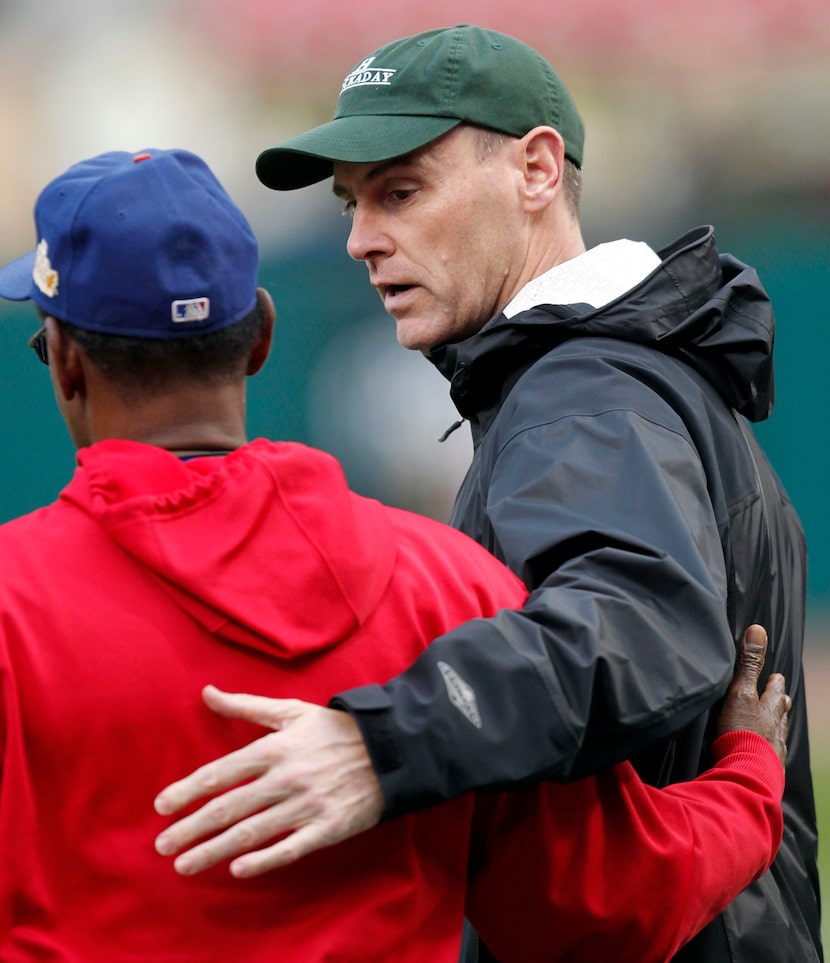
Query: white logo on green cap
[[364, 74]]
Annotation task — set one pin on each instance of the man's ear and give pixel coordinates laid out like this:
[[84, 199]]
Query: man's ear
[[65, 363], [544, 162], [262, 345]]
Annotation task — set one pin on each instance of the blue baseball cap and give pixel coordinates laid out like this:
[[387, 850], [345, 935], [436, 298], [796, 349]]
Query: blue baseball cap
[[147, 245]]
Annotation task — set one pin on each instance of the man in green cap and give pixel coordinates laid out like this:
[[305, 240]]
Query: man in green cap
[[608, 392]]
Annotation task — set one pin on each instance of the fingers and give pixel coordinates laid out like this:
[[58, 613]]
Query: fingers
[[265, 711], [300, 843], [311, 823], [292, 791], [750, 661], [251, 818], [245, 841], [775, 698], [218, 814], [743, 709], [777, 704], [245, 763], [241, 837], [775, 694]]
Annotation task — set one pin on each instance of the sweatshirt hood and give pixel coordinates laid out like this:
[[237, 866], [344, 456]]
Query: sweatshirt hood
[[265, 547], [708, 309]]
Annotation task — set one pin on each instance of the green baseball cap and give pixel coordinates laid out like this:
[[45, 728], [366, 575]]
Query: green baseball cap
[[414, 90]]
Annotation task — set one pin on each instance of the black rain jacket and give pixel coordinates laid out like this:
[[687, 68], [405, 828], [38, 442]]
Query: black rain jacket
[[615, 474]]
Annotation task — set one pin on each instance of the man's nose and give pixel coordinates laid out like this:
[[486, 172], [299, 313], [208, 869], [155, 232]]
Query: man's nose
[[367, 237]]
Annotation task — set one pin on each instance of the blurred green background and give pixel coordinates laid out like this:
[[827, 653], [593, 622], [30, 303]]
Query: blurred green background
[[716, 113]]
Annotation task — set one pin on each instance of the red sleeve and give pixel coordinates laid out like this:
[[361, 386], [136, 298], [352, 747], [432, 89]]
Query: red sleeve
[[610, 868]]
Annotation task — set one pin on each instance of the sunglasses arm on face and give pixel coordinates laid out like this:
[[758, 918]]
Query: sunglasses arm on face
[[37, 343]]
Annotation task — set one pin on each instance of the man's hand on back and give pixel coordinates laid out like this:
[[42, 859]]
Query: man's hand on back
[[307, 785], [743, 709]]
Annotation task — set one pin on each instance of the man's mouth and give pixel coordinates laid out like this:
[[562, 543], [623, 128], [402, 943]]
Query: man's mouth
[[393, 294]]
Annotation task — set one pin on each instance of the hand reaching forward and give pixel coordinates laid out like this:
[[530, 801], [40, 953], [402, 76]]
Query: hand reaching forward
[[311, 779], [742, 709]]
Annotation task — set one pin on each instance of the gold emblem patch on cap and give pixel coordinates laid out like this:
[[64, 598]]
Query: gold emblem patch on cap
[[43, 274]]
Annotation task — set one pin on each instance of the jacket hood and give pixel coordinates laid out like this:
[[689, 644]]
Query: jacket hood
[[266, 547], [708, 309]]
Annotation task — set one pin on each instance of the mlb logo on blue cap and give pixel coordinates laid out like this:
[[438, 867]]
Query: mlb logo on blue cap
[[194, 309]]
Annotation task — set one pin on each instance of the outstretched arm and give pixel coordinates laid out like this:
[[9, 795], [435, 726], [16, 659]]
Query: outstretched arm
[[310, 783], [620, 864]]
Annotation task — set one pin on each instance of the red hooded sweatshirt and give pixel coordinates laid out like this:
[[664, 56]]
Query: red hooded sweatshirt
[[261, 572]]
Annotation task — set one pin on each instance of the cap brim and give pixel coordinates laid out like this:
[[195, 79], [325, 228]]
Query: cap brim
[[16, 278], [359, 139]]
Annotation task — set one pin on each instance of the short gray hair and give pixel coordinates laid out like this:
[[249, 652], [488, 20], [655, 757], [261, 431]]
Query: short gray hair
[[488, 143]]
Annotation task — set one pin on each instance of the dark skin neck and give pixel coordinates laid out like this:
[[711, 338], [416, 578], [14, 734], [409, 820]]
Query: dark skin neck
[[192, 417], [183, 416]]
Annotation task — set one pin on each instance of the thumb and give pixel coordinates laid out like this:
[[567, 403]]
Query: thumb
[[751, 656], [263, 710]]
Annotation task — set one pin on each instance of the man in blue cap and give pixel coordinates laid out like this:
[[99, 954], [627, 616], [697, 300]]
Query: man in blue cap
[[608, 392]]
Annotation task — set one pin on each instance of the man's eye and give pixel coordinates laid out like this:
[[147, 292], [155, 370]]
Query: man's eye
[[400, 195], [348, 209]]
